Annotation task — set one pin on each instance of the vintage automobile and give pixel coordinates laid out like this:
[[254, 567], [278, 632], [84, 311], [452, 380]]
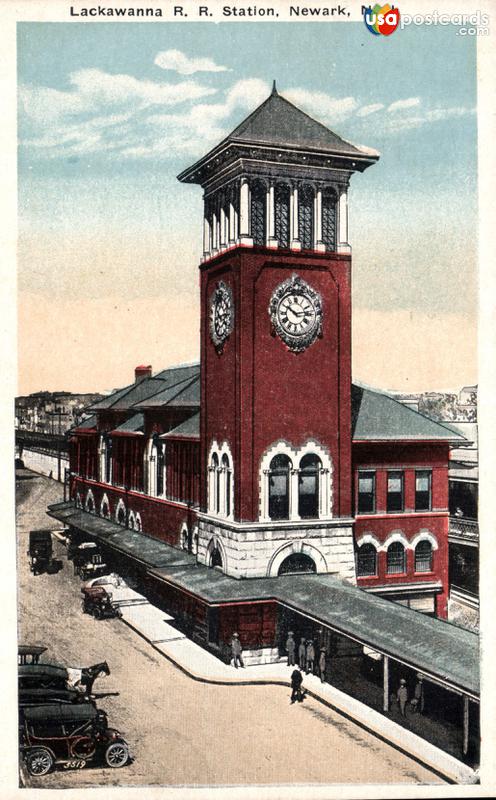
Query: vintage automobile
[[97, 600], [30, 653], [40, 551], [69, 735], [88, 561]]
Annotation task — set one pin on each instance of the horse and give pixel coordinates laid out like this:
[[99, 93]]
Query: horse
[[85, 677]]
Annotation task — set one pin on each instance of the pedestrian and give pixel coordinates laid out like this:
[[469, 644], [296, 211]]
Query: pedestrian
[[322, 665], [296, 681], [302, 654], [418, 695], [236, 651], [290, 649], [310, 656], [402, 697]]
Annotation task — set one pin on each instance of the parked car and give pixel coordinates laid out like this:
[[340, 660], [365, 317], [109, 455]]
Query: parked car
[[98, 601], [40, 551], [70, 735], [88, 561]]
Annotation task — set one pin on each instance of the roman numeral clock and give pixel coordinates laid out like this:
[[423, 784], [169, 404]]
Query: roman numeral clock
[[296, 313]]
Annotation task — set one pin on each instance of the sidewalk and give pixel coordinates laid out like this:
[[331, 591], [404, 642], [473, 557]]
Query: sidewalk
[[154, 625]]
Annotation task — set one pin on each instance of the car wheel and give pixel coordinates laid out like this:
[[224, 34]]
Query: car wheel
[[39, 762], [117, 754]]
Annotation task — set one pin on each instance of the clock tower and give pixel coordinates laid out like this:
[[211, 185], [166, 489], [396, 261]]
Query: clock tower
[[275, 426]]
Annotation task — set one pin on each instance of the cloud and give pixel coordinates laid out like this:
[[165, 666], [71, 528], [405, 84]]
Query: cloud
[[400, 105], [95, 91], [321, 105], [365, 111], [398, 124], [179, 62]]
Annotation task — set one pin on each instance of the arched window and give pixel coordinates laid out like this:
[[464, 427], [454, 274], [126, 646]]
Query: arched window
[[281, 200], [121, 514], [305, 217], [258, 212], [214, 484], [308, 486], [423, 556], [297, 562], [395, 559], [329, 201], [159, 464], [226, 472], [106, 459], [279, 487], [366, 560]]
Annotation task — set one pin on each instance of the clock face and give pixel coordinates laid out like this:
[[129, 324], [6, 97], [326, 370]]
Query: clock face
[[296, 313], [221, 314]]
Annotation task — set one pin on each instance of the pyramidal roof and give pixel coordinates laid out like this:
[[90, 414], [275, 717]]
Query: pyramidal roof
[[279, 123]]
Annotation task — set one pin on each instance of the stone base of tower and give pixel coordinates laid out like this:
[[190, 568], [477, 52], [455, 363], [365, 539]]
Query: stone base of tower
[[257, 550]]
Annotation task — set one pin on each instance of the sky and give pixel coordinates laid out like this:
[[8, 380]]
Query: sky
[[110, 241]]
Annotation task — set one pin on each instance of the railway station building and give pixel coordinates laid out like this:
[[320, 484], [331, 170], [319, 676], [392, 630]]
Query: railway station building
[[262, 488]]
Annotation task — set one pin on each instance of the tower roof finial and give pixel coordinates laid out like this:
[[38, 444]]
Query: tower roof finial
[[274, 88]]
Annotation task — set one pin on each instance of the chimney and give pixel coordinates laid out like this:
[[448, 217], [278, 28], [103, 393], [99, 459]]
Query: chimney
[[142, 372]]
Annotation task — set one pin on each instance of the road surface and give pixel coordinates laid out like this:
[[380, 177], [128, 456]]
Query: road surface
[[181, 731]]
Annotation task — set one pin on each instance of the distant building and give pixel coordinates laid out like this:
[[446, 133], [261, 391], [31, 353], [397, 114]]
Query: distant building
[[52, 412]]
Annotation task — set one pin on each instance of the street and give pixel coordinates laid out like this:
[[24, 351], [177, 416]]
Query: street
[[181, 731]]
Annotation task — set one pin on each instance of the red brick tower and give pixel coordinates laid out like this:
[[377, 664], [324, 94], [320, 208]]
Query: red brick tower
[[276, 346]]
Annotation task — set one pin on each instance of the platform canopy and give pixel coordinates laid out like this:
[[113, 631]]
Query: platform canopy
[[438, 649]]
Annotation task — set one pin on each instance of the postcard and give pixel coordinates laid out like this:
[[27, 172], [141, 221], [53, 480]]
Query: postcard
[[251, 400]]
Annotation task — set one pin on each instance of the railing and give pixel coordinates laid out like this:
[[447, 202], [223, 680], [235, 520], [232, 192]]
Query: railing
[[461, 529]]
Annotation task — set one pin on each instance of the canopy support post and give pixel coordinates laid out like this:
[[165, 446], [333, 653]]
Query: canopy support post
[[465, 724], [385, 704]]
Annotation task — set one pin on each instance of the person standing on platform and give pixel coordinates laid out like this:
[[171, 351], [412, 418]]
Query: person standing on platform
[[418, 695], [402, 697], [290, 649], [296, 681], [322, 664], [310, 656], [302, 654], [236, 651]]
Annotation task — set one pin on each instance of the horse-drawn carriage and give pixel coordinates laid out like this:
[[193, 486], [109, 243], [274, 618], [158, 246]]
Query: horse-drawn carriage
[[97, 600]]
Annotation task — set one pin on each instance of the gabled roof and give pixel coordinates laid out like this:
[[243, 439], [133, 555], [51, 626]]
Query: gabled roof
[[376, 416], [189, 429], [135, 424], [86, 424], [183, 393], [135, 394]]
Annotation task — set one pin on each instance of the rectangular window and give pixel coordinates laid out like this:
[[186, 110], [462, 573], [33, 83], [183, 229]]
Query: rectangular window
[[423, 490], [395, 491], [366, 492]]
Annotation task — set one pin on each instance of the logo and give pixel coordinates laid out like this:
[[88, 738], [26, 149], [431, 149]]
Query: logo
[[381, 19]]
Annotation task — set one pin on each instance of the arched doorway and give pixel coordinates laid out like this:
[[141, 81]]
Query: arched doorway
[[297, 563], [216, 558]]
